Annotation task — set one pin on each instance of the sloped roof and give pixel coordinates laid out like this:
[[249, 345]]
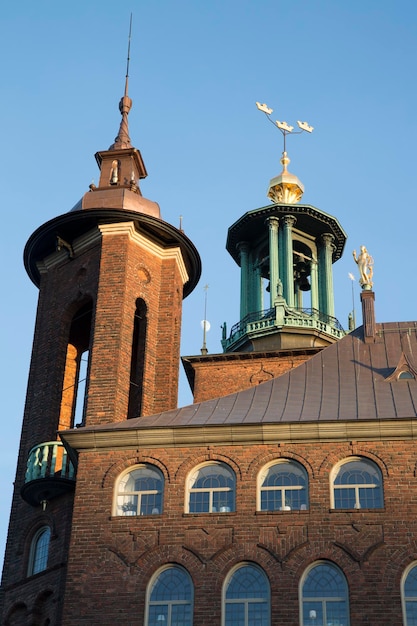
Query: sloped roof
[[346, 381]]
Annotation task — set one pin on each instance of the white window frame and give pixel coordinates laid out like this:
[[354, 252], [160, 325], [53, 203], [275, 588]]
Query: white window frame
[[283, 489], [405, 599], [245, 601], [355, 486], [324, 600], [191, 479], [167, 603], [136, 493]]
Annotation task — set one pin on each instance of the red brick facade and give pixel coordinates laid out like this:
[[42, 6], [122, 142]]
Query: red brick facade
[[112, 559], [221, 374]]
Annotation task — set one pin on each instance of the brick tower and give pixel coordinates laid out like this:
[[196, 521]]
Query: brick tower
[[111, 276]]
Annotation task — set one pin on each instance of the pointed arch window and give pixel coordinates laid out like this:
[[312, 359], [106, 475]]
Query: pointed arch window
[[283, 486], [357, 484], [39, 549], [409, 595], [211, 489], [246, 597], [324, 596], [139, 491], [170, 598]]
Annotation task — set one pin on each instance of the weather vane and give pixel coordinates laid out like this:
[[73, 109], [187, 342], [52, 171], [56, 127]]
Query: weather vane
[[285, 128]]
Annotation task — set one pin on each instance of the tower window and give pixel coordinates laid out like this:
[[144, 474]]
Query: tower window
[[140, 492], [211, 489], [76, 369], [39, 549], [137, 360]]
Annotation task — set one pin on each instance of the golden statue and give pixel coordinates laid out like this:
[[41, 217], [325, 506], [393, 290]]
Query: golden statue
[[365, 264]]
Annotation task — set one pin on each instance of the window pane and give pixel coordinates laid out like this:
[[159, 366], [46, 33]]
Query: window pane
[[171, 584], [313, 614], [344, 498], [181, 615], [325, 597], [284, 485], [158, 615], [170, 602], [235, 614], [358, 484], [411, 610], [140, 492], [40, 551], [247, 598], [199, 502], [258, 614], [410, 594], [212, 489]]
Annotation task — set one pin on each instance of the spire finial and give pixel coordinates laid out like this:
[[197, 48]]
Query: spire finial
[[123, 140]]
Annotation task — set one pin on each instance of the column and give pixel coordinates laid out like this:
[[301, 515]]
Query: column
[[288, 269], [243, 249], [273, 223], [314, 284], [326, 295]]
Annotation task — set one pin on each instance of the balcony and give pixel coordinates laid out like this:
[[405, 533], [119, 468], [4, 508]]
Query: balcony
[[280, 319], [49, 473]]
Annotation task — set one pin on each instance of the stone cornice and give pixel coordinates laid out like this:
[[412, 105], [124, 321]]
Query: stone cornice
[[128, 228], [240, 434]]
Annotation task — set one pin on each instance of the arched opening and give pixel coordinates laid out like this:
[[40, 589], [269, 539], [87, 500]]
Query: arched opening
[[76, 369], [137, 362]]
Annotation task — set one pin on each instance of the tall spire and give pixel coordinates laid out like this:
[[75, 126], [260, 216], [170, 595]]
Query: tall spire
[[122, 140]]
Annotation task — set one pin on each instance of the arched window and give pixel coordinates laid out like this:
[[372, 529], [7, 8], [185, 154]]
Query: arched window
[[139, 491], [283, 486], [170, 598], [357, 484], [137, 360], [39, 548], [246, 597], [324, 596], [409, 595], [76, 369], [211, 489]]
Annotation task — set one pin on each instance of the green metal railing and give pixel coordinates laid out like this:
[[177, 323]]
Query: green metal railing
[[260, 320], [49, 460]]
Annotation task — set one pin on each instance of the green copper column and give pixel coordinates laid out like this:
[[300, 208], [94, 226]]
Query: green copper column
[[257, 288], [288, 269], [326, 275], [273, 223], [314, 285], [244, 278]]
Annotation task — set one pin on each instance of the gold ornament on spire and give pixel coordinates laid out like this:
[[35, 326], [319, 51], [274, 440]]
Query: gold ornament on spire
[[286, 188]]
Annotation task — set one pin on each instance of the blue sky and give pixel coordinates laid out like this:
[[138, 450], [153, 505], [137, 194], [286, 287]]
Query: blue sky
[[196, 70]]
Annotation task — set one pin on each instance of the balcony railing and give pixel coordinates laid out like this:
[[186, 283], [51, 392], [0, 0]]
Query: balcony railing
[[49, 473], [262, 320]]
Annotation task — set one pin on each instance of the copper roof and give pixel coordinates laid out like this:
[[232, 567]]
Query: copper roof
[[346, 381]]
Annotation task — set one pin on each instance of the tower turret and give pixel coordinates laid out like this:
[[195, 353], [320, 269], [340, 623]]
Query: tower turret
[[112, 276], [285, 252]]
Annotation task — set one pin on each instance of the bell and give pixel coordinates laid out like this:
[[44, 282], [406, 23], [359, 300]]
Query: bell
[[303, 283]]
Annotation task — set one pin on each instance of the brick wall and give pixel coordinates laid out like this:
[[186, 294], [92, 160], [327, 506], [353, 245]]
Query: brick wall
[[112, 559], [220, 375]]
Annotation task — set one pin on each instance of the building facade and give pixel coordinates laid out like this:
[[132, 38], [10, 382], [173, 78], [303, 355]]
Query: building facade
[[288, 497]]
